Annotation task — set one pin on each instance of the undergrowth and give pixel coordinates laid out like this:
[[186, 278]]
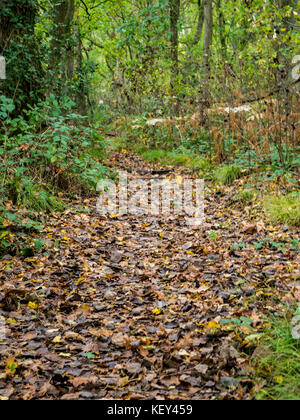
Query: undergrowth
[[284, 209], [278, 369], [47, 152], [227, 174]]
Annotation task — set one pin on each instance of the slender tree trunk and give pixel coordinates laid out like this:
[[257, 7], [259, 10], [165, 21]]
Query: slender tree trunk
[[208, 33], [174, 19], [206, 59], [81, 89], [222, 35], [281, 45], [199, 31]]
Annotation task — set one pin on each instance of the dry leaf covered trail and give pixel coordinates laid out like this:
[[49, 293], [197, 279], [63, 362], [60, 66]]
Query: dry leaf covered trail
[[132, 307]]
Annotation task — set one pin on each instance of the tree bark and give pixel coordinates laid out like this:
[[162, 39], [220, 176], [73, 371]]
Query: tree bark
[[208, 33], [199, 31], [174, 19], [62, 52], [222, 35], [81, 89]]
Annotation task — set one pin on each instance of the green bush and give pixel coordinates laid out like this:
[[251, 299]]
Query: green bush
[[47, 149], [51, 145]]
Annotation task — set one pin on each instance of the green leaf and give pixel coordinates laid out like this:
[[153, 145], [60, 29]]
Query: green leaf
[[90, 355]]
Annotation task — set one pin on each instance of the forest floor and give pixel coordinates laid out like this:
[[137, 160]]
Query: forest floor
[[129, 307]]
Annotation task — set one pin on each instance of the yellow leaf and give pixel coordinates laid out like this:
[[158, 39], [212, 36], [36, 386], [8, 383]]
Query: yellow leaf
[[278, 379], [79, 281], [156, 311], [11, 366], [56, 340], [124, 381], [212, 325], [11, 321], [33, 305], [179, 180], [85, 308], [65, 355]]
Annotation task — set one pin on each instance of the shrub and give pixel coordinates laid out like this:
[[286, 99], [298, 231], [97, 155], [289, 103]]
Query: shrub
[[28, 195]]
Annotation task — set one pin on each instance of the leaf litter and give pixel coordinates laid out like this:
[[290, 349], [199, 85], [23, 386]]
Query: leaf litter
[[139, 307]]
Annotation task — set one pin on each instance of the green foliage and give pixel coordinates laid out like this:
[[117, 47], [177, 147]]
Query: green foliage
[[237, 247], [245, 196], [213, 235], [282, 246], [47, 149], [22, 51], [227, 174], [27, 195], [52, 144], [284, 209], [179, 157], [200, 164], [11, 221], [280, 368], [155, 156], [235, 322]]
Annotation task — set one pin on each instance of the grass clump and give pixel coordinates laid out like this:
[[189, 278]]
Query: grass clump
[[200, 164], [164, 157], [245, 196], [284, 209], [175, 158], [117, 144], [154, 156], [178, 159], [227, 174], [279, 369], [32, 197]]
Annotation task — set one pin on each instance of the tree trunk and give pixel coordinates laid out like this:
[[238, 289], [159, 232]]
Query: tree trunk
[[208, 32], [62, 51], [222, 35], [283, 58], [81, 88], [174, 19], [198, 34]]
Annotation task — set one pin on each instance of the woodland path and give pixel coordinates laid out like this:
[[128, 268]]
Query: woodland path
[[127, 307]]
